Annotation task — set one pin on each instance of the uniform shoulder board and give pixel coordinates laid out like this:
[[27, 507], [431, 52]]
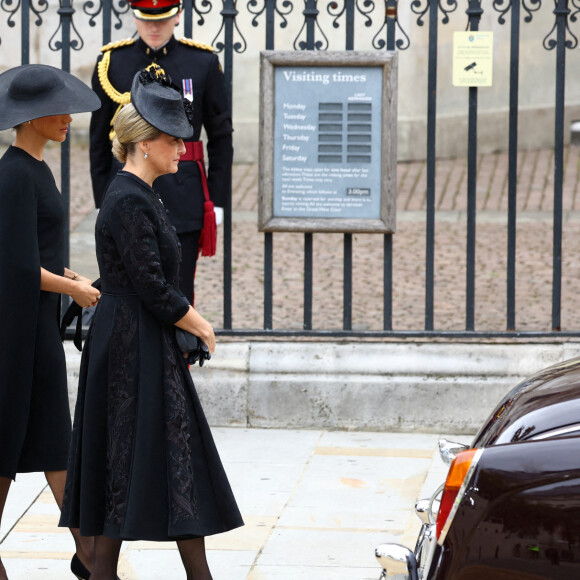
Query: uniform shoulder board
[[191, 42], [118, 44]]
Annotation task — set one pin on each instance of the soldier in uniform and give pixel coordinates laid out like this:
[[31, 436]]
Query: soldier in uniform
[[187, 195]]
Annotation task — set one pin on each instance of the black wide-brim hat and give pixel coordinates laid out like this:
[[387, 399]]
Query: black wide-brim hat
[[32, 91], [160, 105]]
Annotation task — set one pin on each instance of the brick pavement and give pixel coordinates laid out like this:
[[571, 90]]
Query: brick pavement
[[534, 251]]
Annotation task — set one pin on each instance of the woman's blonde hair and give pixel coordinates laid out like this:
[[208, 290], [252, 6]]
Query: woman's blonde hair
[[130, 128]]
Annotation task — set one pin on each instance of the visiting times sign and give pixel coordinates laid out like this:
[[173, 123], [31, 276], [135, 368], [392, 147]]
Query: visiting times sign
[[328, 143], [328, 160]]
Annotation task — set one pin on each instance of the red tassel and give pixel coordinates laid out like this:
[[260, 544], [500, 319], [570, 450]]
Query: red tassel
[[208, 242]]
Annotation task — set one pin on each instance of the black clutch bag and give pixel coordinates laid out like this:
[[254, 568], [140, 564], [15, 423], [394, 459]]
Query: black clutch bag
[[192, 346]]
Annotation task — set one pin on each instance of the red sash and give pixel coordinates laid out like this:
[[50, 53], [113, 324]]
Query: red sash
[[208, 239]]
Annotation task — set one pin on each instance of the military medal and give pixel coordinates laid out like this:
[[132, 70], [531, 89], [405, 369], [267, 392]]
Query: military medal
[[188, 90]]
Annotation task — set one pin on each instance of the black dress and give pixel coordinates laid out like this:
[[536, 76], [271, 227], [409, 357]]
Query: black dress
[[143, 463], [34, 413]]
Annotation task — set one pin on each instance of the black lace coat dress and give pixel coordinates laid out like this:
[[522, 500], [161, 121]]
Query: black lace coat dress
[[143, 464]]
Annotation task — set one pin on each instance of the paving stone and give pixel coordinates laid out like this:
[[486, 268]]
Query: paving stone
[[315, 504]]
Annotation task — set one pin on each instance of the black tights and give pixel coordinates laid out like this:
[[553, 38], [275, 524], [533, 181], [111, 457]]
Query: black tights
[[192, 554], [106, 558]]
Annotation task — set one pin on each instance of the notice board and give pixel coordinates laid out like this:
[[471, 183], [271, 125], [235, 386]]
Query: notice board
[[328, 141]]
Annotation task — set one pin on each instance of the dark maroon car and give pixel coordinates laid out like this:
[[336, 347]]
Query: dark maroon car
[[510, 507]]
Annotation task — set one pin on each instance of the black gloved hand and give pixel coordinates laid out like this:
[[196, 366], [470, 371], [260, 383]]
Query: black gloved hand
[[201, 354], [192, 347]]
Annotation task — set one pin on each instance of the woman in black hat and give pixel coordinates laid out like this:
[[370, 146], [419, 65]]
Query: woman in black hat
[[143, 463], [36, 101]]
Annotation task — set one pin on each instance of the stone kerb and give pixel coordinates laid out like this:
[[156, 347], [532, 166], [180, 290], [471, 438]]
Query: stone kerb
[[360, 386]]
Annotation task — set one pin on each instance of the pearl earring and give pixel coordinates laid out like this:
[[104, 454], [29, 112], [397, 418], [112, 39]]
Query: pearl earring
[[30, 122], [146, 155]]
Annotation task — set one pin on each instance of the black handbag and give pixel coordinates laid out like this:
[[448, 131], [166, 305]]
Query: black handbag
[[192, 346]]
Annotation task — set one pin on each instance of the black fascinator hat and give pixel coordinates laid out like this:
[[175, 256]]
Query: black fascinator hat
[[31, 91], [160, 103]]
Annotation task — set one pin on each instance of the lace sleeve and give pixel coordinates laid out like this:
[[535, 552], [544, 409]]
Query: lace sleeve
[[134, 226]]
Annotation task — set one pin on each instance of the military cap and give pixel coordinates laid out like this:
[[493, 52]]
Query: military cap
[[154, 9]]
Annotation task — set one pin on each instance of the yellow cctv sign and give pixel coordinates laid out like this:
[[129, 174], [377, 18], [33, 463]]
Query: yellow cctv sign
[[472, 59]]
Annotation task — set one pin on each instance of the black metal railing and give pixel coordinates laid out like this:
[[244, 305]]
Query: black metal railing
[[380, 21]]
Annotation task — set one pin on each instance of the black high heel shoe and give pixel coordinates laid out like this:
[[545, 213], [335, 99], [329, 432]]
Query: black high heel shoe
[[79, 569]]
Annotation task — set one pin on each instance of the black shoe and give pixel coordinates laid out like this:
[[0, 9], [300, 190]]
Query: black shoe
[[79, 569]]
